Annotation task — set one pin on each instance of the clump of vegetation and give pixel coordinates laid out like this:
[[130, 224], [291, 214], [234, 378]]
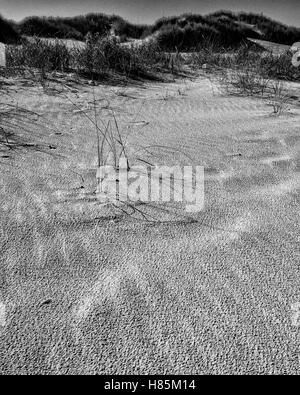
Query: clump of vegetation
[[278, 97], [247, 60], [104, 54], [246, 82], [280, 67], [99, 57], [39, 54]]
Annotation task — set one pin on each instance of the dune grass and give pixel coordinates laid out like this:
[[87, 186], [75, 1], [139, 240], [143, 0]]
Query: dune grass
[[247, 58], [96, 60], [102, 56]]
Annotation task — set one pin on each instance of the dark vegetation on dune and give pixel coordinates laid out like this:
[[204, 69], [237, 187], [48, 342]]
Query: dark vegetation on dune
[[78, 27], [224, 27], [8, 33], [185, 32]]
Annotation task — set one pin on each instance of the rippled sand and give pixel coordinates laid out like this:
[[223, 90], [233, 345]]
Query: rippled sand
[[113, 295]]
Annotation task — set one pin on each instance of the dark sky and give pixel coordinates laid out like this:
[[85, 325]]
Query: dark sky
[[287, 11]]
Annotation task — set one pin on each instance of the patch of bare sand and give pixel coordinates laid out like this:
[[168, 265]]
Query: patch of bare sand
[[2, 315]]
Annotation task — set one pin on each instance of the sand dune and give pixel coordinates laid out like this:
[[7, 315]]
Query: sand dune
[[81, 294]]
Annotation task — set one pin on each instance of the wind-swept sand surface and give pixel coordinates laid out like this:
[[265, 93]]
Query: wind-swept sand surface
[[81, 295]]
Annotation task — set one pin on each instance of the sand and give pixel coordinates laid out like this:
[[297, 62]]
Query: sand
[[81, 295]]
